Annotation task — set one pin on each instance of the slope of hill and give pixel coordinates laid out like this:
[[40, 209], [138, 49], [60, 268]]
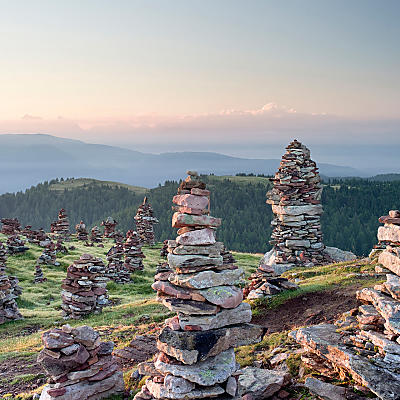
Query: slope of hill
[[30, 159]]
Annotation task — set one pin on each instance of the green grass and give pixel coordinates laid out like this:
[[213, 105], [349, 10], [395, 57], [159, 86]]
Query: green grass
[[240, 179]]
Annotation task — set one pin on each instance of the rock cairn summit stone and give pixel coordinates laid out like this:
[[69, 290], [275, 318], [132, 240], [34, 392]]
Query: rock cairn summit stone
[[81, 231], [133, 252], [38, 276], [116, 270], [9, 291], [11, 226], [61, 226], [95, 235], [368, 345], [84, 289], [145, 221], [196, 358], [295, 199], [79, 365], [109, 227]]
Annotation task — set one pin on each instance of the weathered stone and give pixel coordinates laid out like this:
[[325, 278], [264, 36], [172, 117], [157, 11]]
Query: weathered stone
[[192, 260], [392, 285], [193, 346], [325, 390], [213, 370], [197, 237], [389, 233], [190, 306], [338, 255], [177, 291], [85, 335], [390, 261], [226, 317], [57, 339], [312, 209], [261, 383], [192, 201], [175, 384], [180, 220], [210, 250], [207, 279], [224, 296]]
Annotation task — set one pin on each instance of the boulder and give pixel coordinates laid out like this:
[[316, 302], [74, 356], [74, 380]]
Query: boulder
[[325, 390]]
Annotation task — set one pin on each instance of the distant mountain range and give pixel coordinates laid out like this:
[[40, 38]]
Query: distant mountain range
[[27, 159]]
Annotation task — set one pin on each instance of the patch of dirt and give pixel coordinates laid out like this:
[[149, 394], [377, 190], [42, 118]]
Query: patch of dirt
[[309, 309], [26, 331], [13, 368]]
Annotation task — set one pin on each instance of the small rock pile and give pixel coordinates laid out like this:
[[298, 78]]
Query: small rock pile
[[79, 364], [61, 226], [196, 358], [11, 226], [368, 346], [49, 255], [84, 289], [81, 231], [37, 237], [109, 227], [9, 291], [95, 235], [60, 248], [39, 277], [145, 220], [227, 256], [116, 269], [133, 252], [16, 245], [164, 249], [27, 231]]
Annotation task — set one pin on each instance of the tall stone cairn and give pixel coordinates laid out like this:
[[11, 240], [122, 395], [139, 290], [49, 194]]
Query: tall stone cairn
[[116, 269], [368, 345], [109, 227], [79, 365], [196, 358], [61, 226], [145, 220], [295, 198], [84, 289], [9, 291], [95, 235], [81, 231], [133, 252], [11, 226]]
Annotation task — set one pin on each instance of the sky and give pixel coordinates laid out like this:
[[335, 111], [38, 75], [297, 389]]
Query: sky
[[237, 77]]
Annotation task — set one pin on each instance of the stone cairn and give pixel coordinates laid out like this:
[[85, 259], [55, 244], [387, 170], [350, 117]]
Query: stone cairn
[[9, 291], [38, 276], [368, 345], [79, 365], [116, 269], [133, 252], [95, 235], [61, 226], [16, 245], [295, 198], [145, 220], [196, 358], [11, 226], [84, 289], [109, 227], [60, 248], [81, 231], [164, 249], [49, 255]]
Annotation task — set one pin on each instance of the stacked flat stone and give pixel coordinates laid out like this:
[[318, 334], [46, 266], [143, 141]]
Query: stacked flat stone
[[109, 227], [49, 255], [133, 252], [116, 270], [119, 237], [9, 291], [61, 226], [227, 256], [145, 221], [295, 198], [81, 231], [38, 276], [37, 236], [11, 226], [164, 249], [196, 358], [79, 365], [368, 347], [16, 245], [95, 235], [84, 289]]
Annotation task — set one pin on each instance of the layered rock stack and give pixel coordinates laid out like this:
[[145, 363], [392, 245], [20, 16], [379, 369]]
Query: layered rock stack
[[164, 249], [95, 235], [227, 256], [9, 291], [368, 347], [84, 289], [81, 231], [109, 227], [60, 248], [145, 220], [133, 252], [49, 255], [295, 198], [116, 269], [16, 245], [196, 358], [11, 226], [79, 365], [38, 276], [61, 226]]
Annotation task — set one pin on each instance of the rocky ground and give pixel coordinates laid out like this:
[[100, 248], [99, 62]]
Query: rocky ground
[[324, 293]]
